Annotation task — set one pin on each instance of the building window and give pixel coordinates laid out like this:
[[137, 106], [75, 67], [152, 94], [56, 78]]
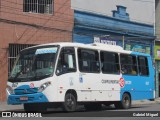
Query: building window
[[88, 61], [110, 62], [38, 6]]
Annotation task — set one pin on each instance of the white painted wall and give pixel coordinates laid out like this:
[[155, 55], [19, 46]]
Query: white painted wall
[[139, 10]]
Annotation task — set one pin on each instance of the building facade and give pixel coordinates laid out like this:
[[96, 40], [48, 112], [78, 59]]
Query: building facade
[[157, 67], [157, 45], [25, 23], [127, 23]]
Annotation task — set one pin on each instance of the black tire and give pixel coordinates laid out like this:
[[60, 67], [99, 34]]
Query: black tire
[[35, 107], [93, 106], [125, 103], [70, 103]]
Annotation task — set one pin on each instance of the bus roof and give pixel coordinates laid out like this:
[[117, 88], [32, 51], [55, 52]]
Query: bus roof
[[95, 46]]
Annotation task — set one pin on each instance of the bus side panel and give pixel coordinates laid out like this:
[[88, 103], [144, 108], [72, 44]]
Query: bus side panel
[[98, 87], [140, 87], [67, 81]]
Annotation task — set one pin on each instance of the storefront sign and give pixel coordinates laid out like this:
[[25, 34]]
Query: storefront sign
[[138, 48], [157, 52], [104, 41]]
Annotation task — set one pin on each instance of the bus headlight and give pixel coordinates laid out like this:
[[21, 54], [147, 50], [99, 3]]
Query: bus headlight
[[9, 90], [44, 86]]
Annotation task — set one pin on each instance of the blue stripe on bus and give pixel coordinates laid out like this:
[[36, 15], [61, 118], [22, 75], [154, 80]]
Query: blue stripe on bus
[[32, 98], [32, 95]]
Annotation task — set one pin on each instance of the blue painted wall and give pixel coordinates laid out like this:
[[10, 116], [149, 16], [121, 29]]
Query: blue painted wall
[[88, 25], [95, 21]]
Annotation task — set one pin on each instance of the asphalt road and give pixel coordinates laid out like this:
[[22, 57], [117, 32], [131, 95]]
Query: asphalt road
[[108, 112], [147, 112]]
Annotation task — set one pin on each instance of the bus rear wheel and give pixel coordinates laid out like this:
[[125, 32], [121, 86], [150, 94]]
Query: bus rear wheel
[[70, 103], [125, 103]]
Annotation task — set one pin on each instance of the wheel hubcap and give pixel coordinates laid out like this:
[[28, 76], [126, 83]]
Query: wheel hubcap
[[126, 101], [70, 102]]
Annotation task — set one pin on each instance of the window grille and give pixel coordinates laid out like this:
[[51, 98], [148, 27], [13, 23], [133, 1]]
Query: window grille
[[38, 6], [14, 49]]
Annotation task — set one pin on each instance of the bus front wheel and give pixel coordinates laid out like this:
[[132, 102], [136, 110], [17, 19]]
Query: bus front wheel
[[70, 103], [125, 103]]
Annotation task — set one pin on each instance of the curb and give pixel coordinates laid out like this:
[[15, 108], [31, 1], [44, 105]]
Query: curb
[[5, 107], [145, 102]]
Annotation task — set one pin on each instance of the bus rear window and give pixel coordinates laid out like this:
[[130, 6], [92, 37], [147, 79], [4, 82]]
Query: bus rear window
[[143, 66]]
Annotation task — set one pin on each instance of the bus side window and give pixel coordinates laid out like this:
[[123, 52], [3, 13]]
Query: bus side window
[[128, 64], [143, 66], [66, 61], [109, 62], [88, 61]]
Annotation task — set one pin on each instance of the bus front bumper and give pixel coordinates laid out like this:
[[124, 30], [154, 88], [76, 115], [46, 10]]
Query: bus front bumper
[[26, 98]]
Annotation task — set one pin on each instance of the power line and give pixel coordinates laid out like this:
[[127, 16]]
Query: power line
[[71, 22], [89, 18], [47, 20], [89, 11], [65, 21], [29, 14], [38, 13], [50, 17], [43, 18], [53, 29], [96, 11], [32, 25]]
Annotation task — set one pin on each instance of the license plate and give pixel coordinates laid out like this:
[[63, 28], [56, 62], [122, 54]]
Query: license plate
[[23, 98]]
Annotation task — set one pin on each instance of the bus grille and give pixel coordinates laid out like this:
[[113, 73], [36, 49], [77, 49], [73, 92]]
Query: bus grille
[[25, 91]]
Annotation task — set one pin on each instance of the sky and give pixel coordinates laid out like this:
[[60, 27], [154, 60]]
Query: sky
[[142, 11]]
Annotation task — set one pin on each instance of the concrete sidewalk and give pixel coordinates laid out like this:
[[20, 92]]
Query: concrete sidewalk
[[5, 107], [142, 102]]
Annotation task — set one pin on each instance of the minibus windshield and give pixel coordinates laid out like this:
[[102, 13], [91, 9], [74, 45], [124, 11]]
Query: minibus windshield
[[34, 64]]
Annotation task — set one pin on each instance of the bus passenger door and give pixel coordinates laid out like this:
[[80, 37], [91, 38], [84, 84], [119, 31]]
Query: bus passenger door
[[66, 72], [89, 75]]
